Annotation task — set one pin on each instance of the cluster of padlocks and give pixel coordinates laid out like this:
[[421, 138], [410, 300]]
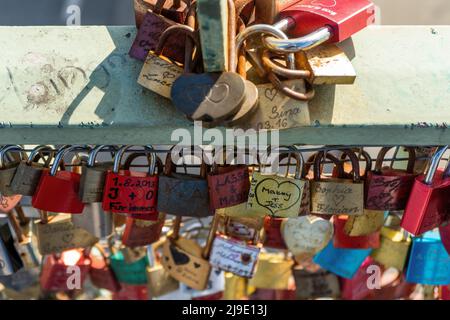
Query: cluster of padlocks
[[231, 63], [144, 230]]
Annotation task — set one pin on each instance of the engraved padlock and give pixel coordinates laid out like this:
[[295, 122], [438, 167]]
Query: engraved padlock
[[8, 169]]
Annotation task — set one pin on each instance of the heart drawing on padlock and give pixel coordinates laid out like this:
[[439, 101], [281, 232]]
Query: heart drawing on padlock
[[179, 258], [7, 203], [271, 93], [306, 235], [276, 196], [338, 199], [324, 3]]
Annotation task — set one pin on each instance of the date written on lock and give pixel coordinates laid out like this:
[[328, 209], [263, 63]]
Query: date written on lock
[[130, 194]]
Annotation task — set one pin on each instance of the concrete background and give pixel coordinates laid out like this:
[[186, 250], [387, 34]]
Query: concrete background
[[120, 12]]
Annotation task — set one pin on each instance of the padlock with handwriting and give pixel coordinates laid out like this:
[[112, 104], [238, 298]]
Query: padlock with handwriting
[[277, 196], [141, 232], [8, 169], [337, 196], [131, 192]]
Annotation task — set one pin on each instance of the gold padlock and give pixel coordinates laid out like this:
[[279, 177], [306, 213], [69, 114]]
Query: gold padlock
[[273, 271], [393, 250], [371, 221]]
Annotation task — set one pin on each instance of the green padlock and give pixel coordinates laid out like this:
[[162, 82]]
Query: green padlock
[[130, 273]]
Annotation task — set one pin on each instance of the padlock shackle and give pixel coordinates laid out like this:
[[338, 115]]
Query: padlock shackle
[[294, 45], [130, 159], [435, 164], [94, 153], [384, 151], [119, 156], [292, 151], [366, 157], [59, 158], [35, 155], [8, 148], [353, 158], [266, 29], [170, 166]]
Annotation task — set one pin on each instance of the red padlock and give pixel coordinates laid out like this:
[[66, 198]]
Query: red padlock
[[131, 192], [272, 233], [141, 232], [57, 191], [131, 292], [101, 274], [429, 203], [65, 272], [228, 186], [356, 288], [344, 241], [445, 292], [388, 189], [319, 21], [444, 230]]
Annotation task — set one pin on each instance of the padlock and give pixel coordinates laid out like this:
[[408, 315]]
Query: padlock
[[10, 261], [131, 292], [429, 262], [343, 262], [428, 205], [101, 274], [29, 172], [321, 21], [57, 191], [281, 112], [266, 11], [129, 273], [444, 231], [243, 228], [234, 256], [8, 169], [273, 271], [57, 273], [277, 196], [159, 73], [213, 291], [131, 192], [342, 240], [327, 64], [185, 260], [7, 203], [394, 249], [93, 176], [368, 223], [183, 194], [139, 233], [228, 186], [151, 29], [236, 288], [357, 287], [56, 234], [445, 292], [272, 233], [95, 221], [337, 196], [393, 287], [160, 282], [314, 284], [388, 189], [306, 235], [215, 97]]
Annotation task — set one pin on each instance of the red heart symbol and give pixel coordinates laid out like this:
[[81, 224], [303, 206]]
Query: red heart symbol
[[7, 203], [324, 3]]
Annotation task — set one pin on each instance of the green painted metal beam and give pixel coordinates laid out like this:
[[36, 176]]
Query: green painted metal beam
[[67, 85]]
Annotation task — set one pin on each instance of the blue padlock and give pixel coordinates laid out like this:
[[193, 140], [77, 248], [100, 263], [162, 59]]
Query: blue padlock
[[429, 262], [343, 262]]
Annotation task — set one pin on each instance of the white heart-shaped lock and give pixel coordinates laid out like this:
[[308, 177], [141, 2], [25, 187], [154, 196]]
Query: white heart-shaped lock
[[306, 235]]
